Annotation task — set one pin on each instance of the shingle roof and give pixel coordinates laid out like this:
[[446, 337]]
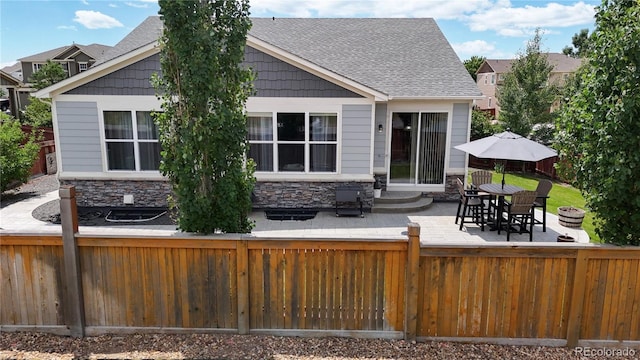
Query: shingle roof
[[93, 50], [561, 63], [399, 57], [147, 32], [96, 51], [45, 55]]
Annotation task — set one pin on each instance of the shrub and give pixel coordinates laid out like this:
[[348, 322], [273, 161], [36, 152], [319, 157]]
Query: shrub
[[18, 151]]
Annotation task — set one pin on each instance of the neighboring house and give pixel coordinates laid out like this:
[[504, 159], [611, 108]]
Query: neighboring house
[[9, 101], [491, 74], [74, 59], [337, 101]]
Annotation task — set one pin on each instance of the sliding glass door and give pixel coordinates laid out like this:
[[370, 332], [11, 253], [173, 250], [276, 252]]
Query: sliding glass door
[[418, 148]]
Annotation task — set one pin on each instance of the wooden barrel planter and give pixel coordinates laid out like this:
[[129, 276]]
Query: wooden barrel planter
[[570, 217]]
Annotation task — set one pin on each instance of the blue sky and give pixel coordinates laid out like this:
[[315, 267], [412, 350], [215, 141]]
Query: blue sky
[[490, 28]]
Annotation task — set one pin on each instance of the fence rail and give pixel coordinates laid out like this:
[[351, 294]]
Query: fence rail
[[564, 295]]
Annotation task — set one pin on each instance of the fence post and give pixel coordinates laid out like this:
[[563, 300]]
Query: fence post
[[73, 297], [412, 283], [577, 300], [242, 256]]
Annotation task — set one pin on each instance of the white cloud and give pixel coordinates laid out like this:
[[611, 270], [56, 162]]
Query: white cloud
[[520, 21], [137, 5], [67, 27], [439, 9], [85, 2], [467, 49], [113, 5], [96, 20]]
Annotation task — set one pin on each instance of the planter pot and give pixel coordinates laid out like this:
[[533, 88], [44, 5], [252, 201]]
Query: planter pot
[[570, 217], [377, 193]]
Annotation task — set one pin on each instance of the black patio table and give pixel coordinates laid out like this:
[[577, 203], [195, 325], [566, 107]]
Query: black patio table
[[500, 191]]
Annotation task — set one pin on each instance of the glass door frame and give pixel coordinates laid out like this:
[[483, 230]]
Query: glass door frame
[[414, 185]]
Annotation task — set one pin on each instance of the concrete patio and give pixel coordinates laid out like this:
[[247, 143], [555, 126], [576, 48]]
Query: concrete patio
[[436, 223]]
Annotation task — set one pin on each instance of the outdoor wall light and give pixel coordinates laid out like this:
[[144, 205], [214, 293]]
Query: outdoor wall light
[[380, 128]]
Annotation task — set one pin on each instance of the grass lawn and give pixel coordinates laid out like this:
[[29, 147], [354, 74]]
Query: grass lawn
[[561, 195]]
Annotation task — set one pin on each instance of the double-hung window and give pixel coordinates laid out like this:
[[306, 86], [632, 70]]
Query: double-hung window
[[294, 142], [260, 133], [131, 139], [37, 67]]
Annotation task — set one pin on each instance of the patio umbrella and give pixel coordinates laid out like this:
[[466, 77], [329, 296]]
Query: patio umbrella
[[507, 146]]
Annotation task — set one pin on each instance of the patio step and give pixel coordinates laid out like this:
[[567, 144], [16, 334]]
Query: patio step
[[400, 202]]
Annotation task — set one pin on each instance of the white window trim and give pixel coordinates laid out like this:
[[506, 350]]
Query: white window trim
[[36, 66], [134, 140], [80, 66], [320, 105], [418, 107], [306, 142]]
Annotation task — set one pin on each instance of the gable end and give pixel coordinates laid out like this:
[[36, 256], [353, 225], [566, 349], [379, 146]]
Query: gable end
[[134, 79], [274, 78]]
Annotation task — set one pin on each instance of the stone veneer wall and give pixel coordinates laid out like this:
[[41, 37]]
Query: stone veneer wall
[[146, 193], [451, 190], [154, 193], [312, 195]]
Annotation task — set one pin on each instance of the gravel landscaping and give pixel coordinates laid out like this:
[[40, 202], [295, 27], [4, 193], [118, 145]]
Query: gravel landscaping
[[37, 186], [201, 346], [50, 211]]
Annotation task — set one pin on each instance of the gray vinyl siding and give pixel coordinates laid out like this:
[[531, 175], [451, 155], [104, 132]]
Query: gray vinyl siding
[[356, 139], [276, 78], [27, 71], [379, 139], [79, 136], [459, 131], [134, 79]]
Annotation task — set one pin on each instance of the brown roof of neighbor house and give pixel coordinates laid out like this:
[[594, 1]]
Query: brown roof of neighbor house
[[9, 78], [94, 50], [12, 68], [561, 64]]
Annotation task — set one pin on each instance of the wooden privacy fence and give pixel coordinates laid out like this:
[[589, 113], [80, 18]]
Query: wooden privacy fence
[[77, 285]]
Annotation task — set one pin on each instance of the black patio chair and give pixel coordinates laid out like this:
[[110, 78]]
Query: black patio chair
[[542, 194], [471, 205]]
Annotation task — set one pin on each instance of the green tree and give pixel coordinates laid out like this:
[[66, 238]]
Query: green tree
[[482, 125], [473, 64], [203, 124], [17, 152], [526, 95], [598, 127], [38, 112], [580, 42], [49, 74]]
